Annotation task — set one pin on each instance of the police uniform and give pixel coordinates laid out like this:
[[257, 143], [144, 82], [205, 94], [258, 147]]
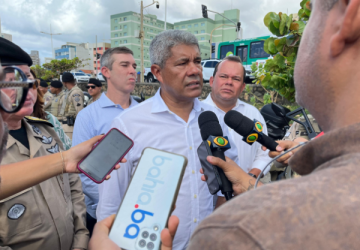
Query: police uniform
[[92, 100], [48, 97], [296, 130], [55, 108], [70, 105], [50, 215]]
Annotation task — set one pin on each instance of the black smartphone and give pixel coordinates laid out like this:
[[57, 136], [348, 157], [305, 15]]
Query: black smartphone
[[103, 158], [213, 178]]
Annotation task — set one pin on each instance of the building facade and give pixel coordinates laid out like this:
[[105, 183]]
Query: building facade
[[34, 54], [125, 29], [84, 51]]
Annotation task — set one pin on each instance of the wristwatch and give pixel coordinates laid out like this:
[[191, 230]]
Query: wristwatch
[[252, 175]]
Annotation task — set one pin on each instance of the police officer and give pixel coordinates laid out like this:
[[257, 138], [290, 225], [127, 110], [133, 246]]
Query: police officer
[[56, 90], [50, 215], [94, 89], [70, 103], [47, 95]]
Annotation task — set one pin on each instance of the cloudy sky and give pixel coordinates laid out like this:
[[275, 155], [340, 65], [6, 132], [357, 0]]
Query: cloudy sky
[[80, 20]]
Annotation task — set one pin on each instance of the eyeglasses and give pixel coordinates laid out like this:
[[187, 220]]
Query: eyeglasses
[[91, 86], [14, 86]]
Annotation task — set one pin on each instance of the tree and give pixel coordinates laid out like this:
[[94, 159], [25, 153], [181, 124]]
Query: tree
[[43, 73], [64, 65], [277, 74]]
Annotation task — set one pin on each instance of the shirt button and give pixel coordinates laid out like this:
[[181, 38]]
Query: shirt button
[[195, 196], [190, 147], [195, 220], [193, 172]]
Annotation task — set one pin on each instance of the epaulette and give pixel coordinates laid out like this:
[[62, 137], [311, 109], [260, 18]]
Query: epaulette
[[32, 119]]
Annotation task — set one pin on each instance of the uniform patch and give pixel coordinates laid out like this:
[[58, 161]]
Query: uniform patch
[[46, 140], [75, 95], [77, 99], [54, 149], [16, 211], [36, 130]]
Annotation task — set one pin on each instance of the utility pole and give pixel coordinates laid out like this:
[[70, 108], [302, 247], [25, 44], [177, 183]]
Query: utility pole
[[51, 34], [141, 35], [142, 41], [165, 13], [96, 56]]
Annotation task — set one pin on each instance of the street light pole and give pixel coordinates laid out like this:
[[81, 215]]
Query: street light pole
[[212, 33], [51, 34], [141, 35], [165, 13]]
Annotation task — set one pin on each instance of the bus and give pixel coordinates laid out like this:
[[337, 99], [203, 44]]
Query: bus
[[249, 50]]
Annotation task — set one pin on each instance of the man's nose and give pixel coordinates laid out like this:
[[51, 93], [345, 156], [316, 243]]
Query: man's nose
[[194, 69]]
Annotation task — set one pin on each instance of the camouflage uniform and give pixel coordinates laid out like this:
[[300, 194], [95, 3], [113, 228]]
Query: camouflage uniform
[[296, 130], [55, 107]]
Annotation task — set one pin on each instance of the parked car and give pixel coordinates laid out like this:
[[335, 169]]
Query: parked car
[[208, 68], [100, 77], [80, 77]]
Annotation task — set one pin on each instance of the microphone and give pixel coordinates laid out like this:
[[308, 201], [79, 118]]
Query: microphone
[[250, 130], [212, 134]]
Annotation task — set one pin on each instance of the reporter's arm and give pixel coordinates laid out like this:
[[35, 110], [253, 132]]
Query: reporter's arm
[[241, 181], [21, 175]]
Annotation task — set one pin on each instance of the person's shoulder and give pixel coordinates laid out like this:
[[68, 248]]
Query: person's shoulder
[[206, 106], [139, 109], [35, 120]]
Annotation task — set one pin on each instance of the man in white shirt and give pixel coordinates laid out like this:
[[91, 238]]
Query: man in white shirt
[[168, 121], [227, 83]]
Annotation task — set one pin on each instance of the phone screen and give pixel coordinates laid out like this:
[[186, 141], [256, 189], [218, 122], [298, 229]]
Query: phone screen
[[105, 155], [148, 201], [209, 170]]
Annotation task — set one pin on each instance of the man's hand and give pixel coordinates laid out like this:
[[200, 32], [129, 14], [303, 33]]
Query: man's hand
[[284, 145], [101, 241], [77, 153], [241, 181]]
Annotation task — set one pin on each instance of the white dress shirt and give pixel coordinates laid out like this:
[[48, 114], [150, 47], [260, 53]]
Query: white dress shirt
[[152, 124], [249, 156]]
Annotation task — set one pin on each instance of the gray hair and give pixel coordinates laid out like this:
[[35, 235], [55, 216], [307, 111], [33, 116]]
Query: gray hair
[[160, 46]]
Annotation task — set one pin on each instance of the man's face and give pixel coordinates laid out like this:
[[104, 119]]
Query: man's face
[[311, 72], [43, 89], [123, 73], [228, 82], [93, 90], [182, 76], [68, 85], [53, 90]]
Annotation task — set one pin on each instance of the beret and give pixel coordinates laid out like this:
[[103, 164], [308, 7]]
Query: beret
[[67, 77], [56, 84], [43, 83], [95, 81], [11, 54]]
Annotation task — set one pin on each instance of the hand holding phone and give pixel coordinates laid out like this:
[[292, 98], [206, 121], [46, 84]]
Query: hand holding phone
[[108, 152]]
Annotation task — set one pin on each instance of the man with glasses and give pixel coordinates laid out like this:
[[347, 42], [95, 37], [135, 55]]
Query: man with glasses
[[94, 89]]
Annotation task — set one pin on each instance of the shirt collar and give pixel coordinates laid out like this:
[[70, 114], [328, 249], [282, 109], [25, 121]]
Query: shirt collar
[[210, 101], [159, 105], [105, 102]]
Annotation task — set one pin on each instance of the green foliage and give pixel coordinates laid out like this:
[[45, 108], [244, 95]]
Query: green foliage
[[43, 73], [57, 67], [277, 74]]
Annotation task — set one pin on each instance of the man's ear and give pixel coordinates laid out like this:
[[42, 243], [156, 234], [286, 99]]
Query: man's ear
[[211, 81], [349, 30], [105, 72], [156, 70]]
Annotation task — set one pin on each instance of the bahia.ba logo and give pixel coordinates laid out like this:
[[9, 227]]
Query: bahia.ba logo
[[144, 198]]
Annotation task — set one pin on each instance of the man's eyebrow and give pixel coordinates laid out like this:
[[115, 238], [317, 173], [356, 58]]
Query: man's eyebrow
[[127, 62], [183, 59], [198, 58]]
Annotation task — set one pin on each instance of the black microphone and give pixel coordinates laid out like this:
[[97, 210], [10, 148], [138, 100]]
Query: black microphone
[[250, 130], [212, 134]]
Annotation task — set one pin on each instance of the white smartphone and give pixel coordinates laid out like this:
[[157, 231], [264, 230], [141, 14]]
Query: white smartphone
[[148, 200]]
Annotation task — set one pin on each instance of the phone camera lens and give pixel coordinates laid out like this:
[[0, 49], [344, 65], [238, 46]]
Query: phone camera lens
[[142, 243], [150, 245], [145, 234], [153, 237]]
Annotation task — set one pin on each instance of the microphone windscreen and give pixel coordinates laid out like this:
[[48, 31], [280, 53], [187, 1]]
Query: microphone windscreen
[[241, 124], [209, 125]]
